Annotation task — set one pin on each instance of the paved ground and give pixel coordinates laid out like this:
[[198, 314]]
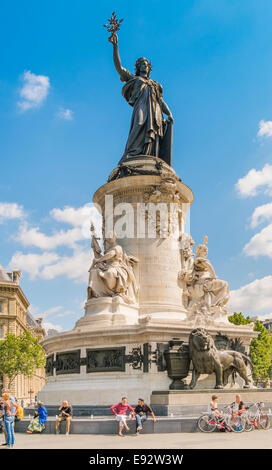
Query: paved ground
[[246, 440]]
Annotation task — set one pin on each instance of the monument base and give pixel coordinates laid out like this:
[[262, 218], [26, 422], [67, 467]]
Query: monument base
[[117, 348], [195, 402], [96, 367]]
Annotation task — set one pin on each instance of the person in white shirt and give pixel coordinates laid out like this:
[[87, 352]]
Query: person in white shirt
[[212, 407]]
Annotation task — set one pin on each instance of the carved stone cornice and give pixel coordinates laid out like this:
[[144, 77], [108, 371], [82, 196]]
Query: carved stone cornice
[[14, 289]]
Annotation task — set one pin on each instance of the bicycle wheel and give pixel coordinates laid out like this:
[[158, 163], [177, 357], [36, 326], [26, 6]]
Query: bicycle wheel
[[206, 424], [248, 426], [264, 421], [236, 424]]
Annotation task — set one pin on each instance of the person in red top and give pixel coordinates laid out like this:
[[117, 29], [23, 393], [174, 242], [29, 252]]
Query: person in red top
[[120, 411]]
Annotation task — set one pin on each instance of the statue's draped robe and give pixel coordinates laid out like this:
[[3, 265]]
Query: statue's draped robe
[[146, 129], [213, 292], [120, 277]]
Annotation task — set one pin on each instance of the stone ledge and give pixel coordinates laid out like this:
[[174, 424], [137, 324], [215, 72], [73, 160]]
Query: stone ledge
[[213, 391], [110, 426], [203, 396]]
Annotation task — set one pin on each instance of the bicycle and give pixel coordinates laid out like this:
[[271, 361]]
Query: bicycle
[[208, 422], [258, 420]]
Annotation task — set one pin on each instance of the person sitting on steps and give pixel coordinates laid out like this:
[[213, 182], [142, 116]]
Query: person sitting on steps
[[141, 413], [65, 415]]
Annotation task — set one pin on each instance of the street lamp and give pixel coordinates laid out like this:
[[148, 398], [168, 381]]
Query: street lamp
[[30, 391]]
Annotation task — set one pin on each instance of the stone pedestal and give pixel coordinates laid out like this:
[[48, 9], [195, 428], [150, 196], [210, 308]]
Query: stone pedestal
[[194, 402], [116, 348], [136, 376]]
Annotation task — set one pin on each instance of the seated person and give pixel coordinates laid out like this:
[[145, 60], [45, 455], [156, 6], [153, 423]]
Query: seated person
[[65, 415], [141, 413], [242, 408], [19, 413], [212, 407], [120, 411], [37, 424], [238, 405]]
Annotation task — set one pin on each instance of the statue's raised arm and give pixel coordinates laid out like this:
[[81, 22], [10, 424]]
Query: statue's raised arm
[[125, 75]]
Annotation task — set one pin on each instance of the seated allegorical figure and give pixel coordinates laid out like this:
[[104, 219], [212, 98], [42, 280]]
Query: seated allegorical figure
[[112, 274], [203, 288]]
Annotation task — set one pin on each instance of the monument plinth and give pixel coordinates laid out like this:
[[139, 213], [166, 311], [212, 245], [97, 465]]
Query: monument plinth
[[147, 287], [117, 348]]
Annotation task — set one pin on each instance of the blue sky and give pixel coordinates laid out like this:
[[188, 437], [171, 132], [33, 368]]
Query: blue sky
[[64, 124]]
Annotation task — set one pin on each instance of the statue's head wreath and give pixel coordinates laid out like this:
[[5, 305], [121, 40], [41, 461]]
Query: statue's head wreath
[[138, 65]]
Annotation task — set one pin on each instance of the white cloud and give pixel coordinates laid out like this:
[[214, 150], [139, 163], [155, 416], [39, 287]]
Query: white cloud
[[265, 316], [261, 214], [50, 263], [34, 237], [34, 91], [11, 210], [50, 326], [32, 262], [265, 129], [74, 267], [260, 244], [55, 311], [80, 217], [65, 114], [66, 313], [51, 311], [250, 184], [252, 297]]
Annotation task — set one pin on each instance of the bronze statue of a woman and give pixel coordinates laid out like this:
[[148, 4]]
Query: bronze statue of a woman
[[150, 134]]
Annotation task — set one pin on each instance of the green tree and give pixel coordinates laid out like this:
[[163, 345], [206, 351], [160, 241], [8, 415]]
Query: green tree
[[260, 348], [239, 319], [21, 354], [261, 354]]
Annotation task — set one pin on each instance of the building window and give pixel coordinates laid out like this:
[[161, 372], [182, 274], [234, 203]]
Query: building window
[[1, 310], [1, 331]]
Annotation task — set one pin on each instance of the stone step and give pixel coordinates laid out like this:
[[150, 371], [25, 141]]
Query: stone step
[[179, 411], [110, 426]]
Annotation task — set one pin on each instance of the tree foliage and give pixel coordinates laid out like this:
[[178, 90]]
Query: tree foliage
[[260, 348], [21, 354], [239, 319], [261, 354]]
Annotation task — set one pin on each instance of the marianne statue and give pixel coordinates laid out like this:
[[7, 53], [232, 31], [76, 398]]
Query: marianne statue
[[150, 134]]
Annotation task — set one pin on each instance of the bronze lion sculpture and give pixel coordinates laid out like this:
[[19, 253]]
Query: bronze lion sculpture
[[207, 359]]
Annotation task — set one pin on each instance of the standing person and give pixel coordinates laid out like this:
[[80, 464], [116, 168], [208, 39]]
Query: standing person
[[38, 422], [65, 415], [120, 411], [141, 413], [9, 409], [5, 390], [1, 415]]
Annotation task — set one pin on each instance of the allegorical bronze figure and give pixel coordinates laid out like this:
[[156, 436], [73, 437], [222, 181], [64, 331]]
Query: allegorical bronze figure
[[150, 134]]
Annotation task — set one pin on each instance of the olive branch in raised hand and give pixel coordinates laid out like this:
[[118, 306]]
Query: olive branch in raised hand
[[114, 24]]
